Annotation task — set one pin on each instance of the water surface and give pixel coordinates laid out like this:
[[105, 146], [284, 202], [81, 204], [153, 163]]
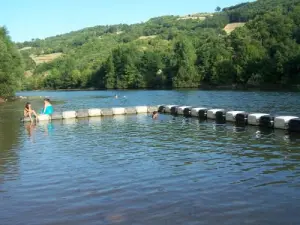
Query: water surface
[[133, 170]]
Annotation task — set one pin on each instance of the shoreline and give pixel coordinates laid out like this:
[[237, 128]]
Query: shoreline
[[2, 100], [263, 88], [279, 88]]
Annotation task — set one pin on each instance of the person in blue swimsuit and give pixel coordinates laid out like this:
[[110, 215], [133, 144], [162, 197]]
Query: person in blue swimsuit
[[48, 108]]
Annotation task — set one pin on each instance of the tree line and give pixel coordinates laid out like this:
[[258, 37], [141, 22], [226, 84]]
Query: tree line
[[265, 51], [168, 52]]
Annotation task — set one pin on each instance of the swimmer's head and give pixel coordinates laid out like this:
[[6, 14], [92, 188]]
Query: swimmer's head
[[154, 114]]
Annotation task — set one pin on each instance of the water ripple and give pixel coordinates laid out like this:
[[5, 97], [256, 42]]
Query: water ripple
[[133, 170]]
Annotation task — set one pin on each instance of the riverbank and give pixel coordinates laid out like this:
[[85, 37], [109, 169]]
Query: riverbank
[[233, 87], [15, 98], [2, 100], [239, 87]]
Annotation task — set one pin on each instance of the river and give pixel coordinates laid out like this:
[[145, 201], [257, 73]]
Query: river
[[135, 170]]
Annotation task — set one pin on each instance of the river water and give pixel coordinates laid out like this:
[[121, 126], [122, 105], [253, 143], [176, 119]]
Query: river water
[[135, 170]]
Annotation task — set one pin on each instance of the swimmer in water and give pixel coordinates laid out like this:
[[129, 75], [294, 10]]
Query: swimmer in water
[[116, 96], [155, 115]]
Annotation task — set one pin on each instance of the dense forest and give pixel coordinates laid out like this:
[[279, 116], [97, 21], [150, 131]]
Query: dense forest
[[171, 52], [11, 66]]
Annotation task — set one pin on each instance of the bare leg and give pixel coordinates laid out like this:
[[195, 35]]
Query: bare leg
[[34, 113]]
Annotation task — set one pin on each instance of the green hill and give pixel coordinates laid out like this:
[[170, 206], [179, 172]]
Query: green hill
[[174, 51]]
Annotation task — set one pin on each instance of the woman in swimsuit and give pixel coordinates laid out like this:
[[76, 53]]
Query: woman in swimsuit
[[28, 111]]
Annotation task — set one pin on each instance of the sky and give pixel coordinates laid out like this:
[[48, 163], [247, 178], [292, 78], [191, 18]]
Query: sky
[[27, 19]]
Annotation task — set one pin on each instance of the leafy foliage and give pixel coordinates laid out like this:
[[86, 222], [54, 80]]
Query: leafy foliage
[[176, 52], [11, 67]]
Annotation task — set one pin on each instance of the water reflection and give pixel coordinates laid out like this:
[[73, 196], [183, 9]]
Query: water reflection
[[69, 121], [46, 127], [135, 170], [9, 140], [94, 120], [31, 130]]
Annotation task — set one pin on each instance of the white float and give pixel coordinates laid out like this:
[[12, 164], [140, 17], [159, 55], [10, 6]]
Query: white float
[[168, 108], [94, 112], [107, 112], [254, 118], [230, 115], [118, 111], [291, 123], [181, 109], [82, 113], [43, 117], [151, 109], [282, 122], [56, 116], [211, 114], [141, 109], [130, 110], [69, 114], [195, 111]]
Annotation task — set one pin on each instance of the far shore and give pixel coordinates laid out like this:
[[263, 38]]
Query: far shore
[[278, 88], [293, 88]]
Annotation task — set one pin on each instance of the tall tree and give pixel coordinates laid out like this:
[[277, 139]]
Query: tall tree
[[151, 67], [185, 71], [248, 55], [218, 9], [109, 70], [11, 66]]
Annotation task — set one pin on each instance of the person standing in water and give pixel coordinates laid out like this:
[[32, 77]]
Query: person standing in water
[[28, 111], [48, 108]]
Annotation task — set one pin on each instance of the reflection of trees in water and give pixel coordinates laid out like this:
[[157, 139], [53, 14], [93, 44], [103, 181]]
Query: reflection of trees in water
[[9, 132], [241, 143]]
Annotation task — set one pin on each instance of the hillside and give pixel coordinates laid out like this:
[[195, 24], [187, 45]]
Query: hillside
[[232, 26], [45, 58], [250, 44]]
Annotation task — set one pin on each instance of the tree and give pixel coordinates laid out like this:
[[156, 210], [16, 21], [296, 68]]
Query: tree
[[151, 67], [109, 70], [218, 9], [11, 66], [214, 60], [248, 55], [185, 71], [182, 54]]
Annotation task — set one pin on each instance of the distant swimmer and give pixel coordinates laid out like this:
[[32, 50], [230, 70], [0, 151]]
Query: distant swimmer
[[116, 96], [155, 115]]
